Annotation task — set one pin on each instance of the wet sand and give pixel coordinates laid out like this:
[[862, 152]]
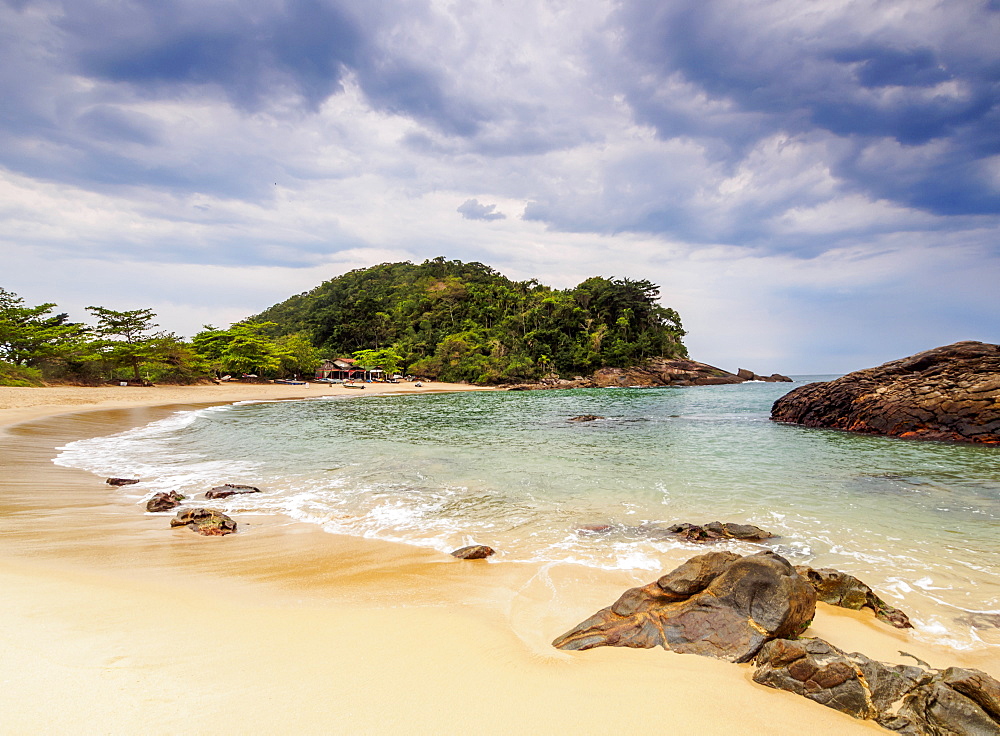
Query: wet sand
[[114, 623]]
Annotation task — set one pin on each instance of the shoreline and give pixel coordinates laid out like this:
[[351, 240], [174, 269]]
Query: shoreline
[[130, 626]]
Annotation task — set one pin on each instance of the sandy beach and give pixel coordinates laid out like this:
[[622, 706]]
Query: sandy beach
[[115, 624]]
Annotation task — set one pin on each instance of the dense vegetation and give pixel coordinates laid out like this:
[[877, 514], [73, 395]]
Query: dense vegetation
[[440, 319], [459, 321], [37, 345]]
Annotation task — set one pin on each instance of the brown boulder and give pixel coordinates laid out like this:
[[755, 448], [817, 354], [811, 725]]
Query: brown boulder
[[908, 700], [653, 372], [164, 501], [121, 481], [718, 605], [850, 683], [948, 393], [840, 589], [209, 522], [664, 372], [230, 489], [717, 530], [474, 552]]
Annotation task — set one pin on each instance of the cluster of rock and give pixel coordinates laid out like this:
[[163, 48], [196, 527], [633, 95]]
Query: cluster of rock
[[755, 608], [208, 522], [652, 373], [212, 523], [715, 531], [948, 393]]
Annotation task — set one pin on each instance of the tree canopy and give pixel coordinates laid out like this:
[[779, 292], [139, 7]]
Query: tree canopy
[[439, 319], [31, 335], [464, 321]]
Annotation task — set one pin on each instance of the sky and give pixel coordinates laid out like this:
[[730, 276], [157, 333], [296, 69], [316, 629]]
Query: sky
[[814, 184]]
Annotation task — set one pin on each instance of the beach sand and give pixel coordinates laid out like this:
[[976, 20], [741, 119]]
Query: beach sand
[[115, 624]]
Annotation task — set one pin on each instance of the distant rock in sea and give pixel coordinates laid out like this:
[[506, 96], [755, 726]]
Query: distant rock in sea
[[653, 373], [948, 393]]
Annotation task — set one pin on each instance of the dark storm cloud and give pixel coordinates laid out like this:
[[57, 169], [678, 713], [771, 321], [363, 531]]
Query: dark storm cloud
[[779, 68], [250, 51], [266, 57], [257, 53]]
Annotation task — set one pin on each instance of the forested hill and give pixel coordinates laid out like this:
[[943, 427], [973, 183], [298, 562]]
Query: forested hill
[[457, 321]]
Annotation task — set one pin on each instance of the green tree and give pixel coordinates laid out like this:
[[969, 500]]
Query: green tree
[[299, 356], [465, 321], [248, 350], [30, 336], [387, 359], [126, 338], [209, 344]]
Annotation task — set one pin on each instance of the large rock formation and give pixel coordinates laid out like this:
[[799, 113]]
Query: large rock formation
[[948, 393], [679, 372], [905, 699], [718, 605], [653, 373]]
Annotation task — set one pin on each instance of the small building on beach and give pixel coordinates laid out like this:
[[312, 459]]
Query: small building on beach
[[344, 369], [340, 368]]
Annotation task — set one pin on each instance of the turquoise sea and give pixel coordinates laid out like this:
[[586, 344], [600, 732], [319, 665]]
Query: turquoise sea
[[918, 521]]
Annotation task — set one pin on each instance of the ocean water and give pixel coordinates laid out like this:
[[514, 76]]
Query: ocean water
[[918, 521]]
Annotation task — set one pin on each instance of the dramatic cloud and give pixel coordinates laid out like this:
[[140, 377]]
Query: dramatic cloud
[[816, 186]]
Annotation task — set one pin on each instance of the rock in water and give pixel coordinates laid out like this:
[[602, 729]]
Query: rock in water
[[585, 418], [713, 531], [209, 522], [718, 605], [121, 481], [474, 552], [840, 589], [164, 501], [230, 489], [907, 700], [948, 393]]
